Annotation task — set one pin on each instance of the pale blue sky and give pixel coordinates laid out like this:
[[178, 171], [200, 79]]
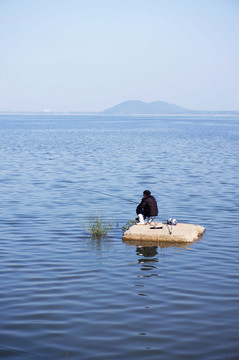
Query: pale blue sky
[[88, 55]]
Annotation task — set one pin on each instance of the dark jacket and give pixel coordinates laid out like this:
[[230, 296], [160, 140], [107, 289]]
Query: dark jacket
[[148, 206]]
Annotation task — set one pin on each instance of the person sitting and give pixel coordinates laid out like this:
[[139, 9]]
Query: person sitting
[[147, 208]]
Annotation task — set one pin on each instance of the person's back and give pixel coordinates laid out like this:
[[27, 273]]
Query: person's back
[[150, 206], [147, 208]]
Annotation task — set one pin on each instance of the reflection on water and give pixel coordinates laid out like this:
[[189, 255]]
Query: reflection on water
[[159, 244], [149, 251], [149, 258]]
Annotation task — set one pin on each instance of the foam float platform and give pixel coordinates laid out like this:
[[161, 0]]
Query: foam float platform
[[182, 233]]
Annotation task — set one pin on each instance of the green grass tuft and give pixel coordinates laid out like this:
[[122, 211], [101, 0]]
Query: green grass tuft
[[97, 227], [129, 224]]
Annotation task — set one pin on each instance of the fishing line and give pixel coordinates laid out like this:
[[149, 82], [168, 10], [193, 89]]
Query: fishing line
[[110, 195], [22, 351]]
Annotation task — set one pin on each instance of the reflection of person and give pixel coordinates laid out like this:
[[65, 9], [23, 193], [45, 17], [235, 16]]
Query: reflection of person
[[147, 208], [146, 251]]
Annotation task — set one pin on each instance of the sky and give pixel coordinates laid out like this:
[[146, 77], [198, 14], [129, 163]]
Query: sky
[[89, 55]]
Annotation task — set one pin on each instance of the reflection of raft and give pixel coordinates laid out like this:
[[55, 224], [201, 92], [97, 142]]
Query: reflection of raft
[[184, 233]]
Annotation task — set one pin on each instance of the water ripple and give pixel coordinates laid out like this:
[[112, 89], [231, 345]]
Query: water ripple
[[64, 295]]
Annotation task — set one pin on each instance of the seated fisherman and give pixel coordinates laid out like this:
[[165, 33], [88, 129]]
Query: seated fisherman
[[148, 207]]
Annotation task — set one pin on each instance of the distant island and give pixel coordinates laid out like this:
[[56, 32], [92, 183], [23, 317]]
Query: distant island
[[140, 107], [137, 107], [133, 107]]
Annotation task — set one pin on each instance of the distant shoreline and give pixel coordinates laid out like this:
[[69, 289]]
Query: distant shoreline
[[75, 113], [133, 108]]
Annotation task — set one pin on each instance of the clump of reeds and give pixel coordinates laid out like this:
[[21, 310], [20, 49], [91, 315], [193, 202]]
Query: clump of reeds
[[97, 227], [129, 224]]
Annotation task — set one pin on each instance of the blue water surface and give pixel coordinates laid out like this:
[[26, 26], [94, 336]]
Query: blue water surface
[[64, 295]]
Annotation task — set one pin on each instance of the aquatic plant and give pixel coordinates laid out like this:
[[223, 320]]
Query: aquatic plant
[[129, 224], [97, 227]]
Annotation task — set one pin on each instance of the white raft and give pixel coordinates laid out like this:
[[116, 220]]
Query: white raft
[[181, 233]]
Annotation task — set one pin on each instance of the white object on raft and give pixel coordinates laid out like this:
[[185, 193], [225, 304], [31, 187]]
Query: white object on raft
[[185, 233]]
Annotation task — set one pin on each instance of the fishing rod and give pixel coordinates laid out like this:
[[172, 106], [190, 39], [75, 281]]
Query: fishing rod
[[110, 195]]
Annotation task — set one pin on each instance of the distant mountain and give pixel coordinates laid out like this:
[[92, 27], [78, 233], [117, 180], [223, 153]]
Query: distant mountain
[[140, 107]]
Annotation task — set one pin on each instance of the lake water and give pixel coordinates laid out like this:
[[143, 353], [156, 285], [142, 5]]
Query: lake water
[[64, 295]]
